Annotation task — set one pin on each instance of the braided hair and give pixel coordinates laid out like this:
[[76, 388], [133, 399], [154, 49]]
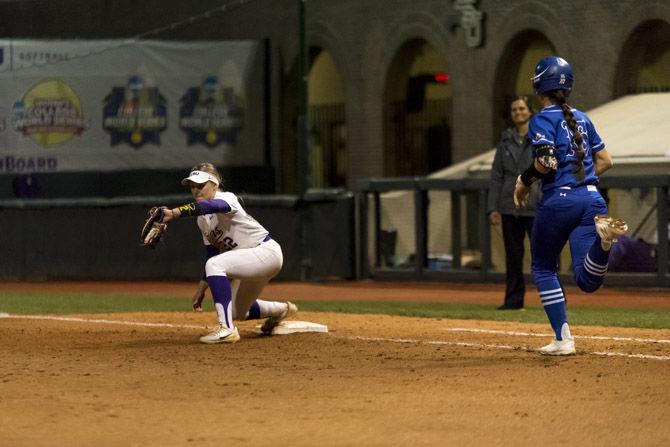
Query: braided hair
[[559, 97]]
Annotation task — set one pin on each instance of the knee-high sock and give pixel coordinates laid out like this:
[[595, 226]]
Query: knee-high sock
[[254, 311], [553, 300], [263, 309], [590, 278], [222, 294]]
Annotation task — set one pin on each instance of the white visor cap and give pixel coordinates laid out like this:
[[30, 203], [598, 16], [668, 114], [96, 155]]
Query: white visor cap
[[200, 177]]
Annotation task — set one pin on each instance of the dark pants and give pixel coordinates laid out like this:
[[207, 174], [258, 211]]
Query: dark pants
[[514, 231]]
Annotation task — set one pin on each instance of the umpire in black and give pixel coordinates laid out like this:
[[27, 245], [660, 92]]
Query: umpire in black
[[514, 155]]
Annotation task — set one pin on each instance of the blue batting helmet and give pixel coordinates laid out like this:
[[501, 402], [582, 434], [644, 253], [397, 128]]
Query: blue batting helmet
[[552, 73]]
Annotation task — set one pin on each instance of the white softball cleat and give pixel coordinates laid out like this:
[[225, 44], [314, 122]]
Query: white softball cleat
[[559, 347], [609, 228], [272, 322], [221, 335]]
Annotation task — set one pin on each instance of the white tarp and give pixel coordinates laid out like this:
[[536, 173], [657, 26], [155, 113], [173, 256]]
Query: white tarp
[[635, 126], [77, 105], [636, 131]]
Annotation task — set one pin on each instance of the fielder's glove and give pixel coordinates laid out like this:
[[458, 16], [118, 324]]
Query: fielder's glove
[[153, 228]]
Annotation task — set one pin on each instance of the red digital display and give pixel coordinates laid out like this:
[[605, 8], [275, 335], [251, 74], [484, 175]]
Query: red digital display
[[441, 78]]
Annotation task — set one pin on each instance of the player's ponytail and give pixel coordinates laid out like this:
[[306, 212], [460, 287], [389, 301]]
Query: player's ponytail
[[559, 97], [208, 168]]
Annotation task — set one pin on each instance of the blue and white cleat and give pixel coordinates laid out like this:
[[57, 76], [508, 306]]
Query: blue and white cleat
[[273, 322], [221, 335]]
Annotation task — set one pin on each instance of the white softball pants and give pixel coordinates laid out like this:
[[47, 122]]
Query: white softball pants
[[249, 270]]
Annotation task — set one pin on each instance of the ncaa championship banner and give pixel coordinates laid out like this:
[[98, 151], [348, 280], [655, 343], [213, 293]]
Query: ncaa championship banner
[[76, 105]]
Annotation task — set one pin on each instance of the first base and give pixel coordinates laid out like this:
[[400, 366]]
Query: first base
[[292, 327]]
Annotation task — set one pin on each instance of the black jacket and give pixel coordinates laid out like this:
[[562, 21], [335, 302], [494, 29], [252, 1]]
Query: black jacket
[[510, 161]]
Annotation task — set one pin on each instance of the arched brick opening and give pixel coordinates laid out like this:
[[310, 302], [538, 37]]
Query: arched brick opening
[[417, 111], [644, 62], [512, 78]]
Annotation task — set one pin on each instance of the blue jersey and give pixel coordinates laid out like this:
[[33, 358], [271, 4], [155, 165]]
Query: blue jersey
[[549, 127]]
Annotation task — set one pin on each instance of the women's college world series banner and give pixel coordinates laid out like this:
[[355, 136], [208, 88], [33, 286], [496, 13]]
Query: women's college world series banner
[[112, 104]]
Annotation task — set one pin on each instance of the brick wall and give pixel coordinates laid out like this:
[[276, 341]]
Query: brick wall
[[363, 36]]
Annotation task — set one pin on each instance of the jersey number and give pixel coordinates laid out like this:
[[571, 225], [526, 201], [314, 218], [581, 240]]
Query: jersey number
[[228, 242], [573, 144]]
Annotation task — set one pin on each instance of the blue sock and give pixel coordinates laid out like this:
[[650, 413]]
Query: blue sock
[[596, 252], [553, 300], [254, 311], [591, 277], [222, 294]]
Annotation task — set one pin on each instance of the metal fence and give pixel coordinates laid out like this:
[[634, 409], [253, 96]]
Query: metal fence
[[369, 262], [328, 145], [418, 142]]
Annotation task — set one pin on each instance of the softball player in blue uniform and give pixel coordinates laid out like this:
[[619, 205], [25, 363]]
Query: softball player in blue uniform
[[569, 157]]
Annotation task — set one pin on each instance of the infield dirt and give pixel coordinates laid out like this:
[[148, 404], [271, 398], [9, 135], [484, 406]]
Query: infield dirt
[[372, 381]]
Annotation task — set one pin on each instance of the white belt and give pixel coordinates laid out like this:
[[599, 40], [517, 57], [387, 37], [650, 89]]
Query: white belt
[[588, 187]]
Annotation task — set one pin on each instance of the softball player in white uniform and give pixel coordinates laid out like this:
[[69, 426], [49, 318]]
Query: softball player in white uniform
[[241, 257]]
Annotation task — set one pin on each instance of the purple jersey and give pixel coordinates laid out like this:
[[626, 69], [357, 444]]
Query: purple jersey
[[550, 128]]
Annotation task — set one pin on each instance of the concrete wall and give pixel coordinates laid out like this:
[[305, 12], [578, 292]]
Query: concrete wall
[[98, 239]]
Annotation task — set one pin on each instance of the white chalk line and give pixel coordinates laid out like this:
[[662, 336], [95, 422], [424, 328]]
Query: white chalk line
[[530, 334], [379, 339], [99, 321], [507, 347], [435, 342]]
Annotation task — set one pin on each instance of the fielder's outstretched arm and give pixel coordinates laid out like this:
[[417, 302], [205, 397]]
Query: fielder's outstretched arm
[[198, 208]]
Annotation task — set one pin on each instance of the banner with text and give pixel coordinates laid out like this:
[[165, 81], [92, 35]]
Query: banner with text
[[106, 105]]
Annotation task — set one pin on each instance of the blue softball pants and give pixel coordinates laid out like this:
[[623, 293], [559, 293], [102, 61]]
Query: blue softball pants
[[567, 215]]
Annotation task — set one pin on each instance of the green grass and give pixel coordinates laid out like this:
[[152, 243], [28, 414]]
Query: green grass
[[656, 319], [111, 303], [34, 303]]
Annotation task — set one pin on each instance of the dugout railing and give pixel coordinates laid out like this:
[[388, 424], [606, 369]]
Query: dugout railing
[[369, 263]]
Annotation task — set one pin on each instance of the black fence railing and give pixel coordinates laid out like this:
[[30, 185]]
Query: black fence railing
[[368, 205]]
